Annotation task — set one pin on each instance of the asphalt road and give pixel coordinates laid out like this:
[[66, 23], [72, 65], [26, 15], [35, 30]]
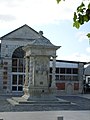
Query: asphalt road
[[78, 103]]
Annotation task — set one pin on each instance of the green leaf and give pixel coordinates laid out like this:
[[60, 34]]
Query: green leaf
[[88, 35], [81, 19], [89, 6], [76, 24], [75, 16], [80, 8], [82, 4], [86, 18], [58, 1]]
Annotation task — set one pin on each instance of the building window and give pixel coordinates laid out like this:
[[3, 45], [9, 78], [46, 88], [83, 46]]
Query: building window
[[5, 63], [62, 77], [41, 83], [18, 69], [75, 71], [4, 87], [5, 77], [20, 88], [62, 70], [5, 73], [57, 77], [68, 70], [50, 70], [18, 65], [88, 81], [14, 69], [57, 70], [4, 82], [20, 80], [5, 68], [14, 88], [75, 78], [67, 77], [17, 82], [18, 62], [14, 82], [14, 62]]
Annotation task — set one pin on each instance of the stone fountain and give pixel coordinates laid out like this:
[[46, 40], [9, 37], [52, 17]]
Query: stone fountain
[[38, 88], [38, 85]]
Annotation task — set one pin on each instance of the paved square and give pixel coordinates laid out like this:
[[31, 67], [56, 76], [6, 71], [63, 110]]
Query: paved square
[[46, 115], [78, 103]]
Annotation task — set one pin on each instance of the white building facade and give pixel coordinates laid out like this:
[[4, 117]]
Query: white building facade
[[68, 77]]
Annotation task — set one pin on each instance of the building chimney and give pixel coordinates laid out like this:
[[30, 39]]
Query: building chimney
[[40, 33]]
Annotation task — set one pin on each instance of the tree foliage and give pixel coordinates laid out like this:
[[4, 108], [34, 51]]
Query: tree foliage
[[81, 15]]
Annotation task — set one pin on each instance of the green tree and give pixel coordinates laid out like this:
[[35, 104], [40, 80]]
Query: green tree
[[81, 15]]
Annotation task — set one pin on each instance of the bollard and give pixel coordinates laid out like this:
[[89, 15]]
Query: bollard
[[60, 118]]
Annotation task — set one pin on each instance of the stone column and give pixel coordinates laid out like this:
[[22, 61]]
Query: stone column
[[25, 87], [27, 71], [31, 71], [53, 72]]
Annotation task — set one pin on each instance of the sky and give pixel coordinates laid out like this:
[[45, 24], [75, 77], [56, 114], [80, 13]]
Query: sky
[[55, 20]]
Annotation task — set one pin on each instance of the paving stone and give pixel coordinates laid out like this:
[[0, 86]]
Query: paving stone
[[79, 103]]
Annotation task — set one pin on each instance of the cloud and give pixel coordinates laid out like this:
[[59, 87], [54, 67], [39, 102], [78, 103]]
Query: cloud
[[81, 35], [38, 11], [76, 57], [7, 18], [15, 13], [88, 49], [10, 2]]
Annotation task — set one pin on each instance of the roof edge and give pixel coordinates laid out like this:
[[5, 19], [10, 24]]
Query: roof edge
[[67, 61]]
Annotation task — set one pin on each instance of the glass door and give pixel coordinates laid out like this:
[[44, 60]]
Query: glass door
[[17, 82]]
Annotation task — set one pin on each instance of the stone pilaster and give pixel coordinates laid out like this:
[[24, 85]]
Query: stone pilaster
[[25, 87], [80, 76], [53, 72], [9, 89], [27, 71]]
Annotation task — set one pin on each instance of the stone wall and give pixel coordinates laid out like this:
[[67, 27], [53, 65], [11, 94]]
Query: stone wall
[[80, 76], [7, 49]]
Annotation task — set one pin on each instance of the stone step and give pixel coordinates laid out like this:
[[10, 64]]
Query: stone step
[[21, 101], [44, 102]]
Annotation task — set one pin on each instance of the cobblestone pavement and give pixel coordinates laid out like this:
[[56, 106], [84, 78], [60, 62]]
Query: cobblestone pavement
[[79, 103]]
